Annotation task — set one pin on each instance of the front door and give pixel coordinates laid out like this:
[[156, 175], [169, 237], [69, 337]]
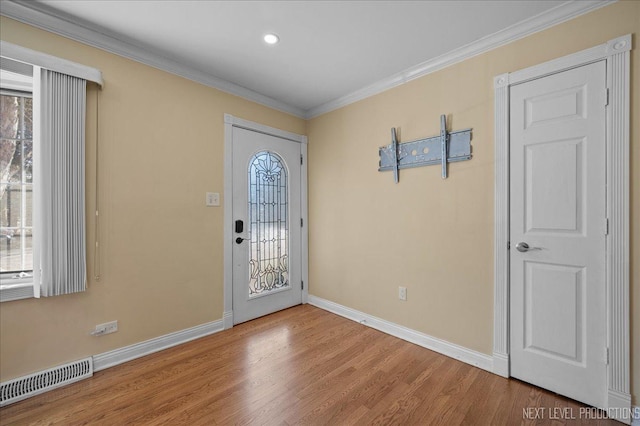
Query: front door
[[557, 233], [267, 224]]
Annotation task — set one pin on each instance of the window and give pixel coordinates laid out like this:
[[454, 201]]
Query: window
[[16, 178], [42, 154], [16, 184]]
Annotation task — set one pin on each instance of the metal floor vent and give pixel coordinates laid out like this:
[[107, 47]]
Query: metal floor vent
[[24, 387]]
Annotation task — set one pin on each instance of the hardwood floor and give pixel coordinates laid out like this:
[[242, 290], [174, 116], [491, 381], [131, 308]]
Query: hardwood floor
[[298, 366]]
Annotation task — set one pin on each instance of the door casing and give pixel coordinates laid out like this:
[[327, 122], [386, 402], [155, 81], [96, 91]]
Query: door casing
[[616, 52], [229, 123]]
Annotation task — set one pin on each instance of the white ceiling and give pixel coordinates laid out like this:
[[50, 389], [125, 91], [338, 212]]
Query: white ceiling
[[329, 50]]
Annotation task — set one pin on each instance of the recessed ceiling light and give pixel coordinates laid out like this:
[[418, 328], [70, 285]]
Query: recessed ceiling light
[[271, 39]]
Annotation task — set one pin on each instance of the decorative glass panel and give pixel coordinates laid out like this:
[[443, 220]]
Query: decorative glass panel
[[268, 224]]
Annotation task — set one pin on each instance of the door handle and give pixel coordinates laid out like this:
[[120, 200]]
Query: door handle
[[524, 247], [239, 240]]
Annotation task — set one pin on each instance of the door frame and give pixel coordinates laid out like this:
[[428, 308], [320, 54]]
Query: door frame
[[616, 53], [229, 123]]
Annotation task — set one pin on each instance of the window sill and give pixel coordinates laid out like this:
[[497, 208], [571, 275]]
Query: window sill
[[22, 290]]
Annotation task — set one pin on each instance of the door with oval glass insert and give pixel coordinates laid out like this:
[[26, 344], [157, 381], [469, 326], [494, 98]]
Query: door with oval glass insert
[[267, 231]]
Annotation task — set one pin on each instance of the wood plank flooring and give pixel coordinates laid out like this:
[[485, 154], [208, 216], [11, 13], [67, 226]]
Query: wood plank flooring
[[298, 366]]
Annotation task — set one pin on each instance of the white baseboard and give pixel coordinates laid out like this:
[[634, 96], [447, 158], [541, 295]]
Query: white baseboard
[[137, 350], [443, 347]]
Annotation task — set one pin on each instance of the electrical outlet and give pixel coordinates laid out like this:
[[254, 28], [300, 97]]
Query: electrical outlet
[[106, 328], [402, 293]]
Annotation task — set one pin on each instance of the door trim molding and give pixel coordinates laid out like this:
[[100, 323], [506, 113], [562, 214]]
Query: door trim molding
[[229, 123], [616, 52]]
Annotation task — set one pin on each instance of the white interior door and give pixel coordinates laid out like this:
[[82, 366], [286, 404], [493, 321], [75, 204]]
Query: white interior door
[[266, 253], [557, 196]]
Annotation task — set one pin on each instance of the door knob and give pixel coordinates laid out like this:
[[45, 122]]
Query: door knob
[[239, 240], [524, 247]]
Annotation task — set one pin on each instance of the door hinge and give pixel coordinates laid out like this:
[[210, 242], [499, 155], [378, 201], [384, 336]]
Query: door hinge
[[606, 356], [301, 285], [508, 245], [606, 226], [606, 93], [301, 222], [301, 159]]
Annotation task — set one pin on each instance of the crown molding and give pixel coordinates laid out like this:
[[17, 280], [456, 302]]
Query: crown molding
[[37, 16], [540, 22]]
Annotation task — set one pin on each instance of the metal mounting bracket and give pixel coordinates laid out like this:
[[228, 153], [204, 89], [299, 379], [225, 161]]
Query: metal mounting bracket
[[448, 147]]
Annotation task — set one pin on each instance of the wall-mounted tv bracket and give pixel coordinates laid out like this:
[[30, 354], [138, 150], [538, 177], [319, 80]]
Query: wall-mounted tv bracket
[[448, 147]]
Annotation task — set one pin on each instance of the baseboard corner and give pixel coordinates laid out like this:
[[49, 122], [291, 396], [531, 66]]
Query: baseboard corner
[[435, 344]]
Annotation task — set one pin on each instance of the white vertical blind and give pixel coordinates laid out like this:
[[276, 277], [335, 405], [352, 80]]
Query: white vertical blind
[[59, 174]]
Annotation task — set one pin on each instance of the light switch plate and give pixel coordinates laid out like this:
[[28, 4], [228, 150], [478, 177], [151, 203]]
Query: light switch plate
[[212, 199]]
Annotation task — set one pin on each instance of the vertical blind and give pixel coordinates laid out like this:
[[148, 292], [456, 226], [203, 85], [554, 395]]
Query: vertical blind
[[59, 174]]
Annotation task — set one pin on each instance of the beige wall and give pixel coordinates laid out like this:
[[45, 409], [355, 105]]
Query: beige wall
[[161, 149], [368, 235], [162, 249]]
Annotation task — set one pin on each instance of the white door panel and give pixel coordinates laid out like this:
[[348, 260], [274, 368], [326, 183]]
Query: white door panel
[[559, 189], [557, 195], [267, 261], [554, 300]]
